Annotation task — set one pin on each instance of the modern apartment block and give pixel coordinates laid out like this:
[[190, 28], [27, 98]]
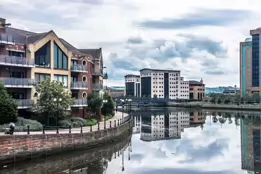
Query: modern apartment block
[[246, 67], [163, 84], [27, 58], [160, 127], [196, 90], [132, 85]]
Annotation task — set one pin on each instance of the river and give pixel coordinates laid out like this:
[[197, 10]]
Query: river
[[166, 141]]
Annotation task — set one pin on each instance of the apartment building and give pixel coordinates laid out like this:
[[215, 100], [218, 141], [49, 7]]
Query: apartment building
[[168, 126], [132, 85], [197, 90], [245, 67], [163, 84], [27, 58]]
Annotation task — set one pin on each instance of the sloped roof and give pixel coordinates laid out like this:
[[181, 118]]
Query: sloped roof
[[35, 37], [95, 53], [69, 46]]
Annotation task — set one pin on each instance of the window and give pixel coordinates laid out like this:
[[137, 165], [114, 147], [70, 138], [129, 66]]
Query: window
[[84, 95], [84, 79], [84, 63], [42, 56], [61, 78], [17, 54], [41, 77], [60, 59]]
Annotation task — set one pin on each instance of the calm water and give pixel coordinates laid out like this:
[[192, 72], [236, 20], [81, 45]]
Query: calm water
[[167, 141]]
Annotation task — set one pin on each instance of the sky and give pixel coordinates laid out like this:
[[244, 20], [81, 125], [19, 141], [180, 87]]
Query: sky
[[197, 37]]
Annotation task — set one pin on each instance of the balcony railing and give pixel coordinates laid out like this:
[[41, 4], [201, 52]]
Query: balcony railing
[[16, 61], [6, 39], [80, 68], [80, 102], [97, 87], [17, 82], [79, 85], [97, 72], [24, 103]]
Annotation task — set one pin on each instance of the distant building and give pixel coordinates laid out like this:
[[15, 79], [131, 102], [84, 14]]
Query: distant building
[[116, 91], [245, 66], [132, 85], [196, 90]]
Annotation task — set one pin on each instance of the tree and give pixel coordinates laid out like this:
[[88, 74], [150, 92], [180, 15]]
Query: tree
[[237, 98], [247, 98], [8, 108], [256, 97], [108, 107], [94, 102], [155, 96], [47, 106]]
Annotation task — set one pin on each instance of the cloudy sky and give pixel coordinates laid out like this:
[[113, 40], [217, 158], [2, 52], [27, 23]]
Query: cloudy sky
[[197, 37]]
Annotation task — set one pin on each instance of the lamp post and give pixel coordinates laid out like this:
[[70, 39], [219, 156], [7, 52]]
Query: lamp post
[[123, 102], [57, 111], [104, 101], [130, 100]]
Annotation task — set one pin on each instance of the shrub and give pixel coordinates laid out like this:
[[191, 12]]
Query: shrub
[[65, 124], [21, 125], [78, 119], [91, 122], [76, 124]]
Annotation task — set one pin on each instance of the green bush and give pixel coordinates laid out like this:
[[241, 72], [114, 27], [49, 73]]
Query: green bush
[[21, 125], [76, 124], [91, 122], [65, 124], [78, 119]]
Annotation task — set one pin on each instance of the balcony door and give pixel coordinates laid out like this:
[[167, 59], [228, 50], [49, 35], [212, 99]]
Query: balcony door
[[17, 75]]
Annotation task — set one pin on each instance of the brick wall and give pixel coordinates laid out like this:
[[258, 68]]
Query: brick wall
[[20, 147]]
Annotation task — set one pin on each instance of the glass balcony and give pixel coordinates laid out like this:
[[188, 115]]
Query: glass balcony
[[6, 39], [80, 102], [79, 68], [79, 85], [97, 87], [24, 103], [18, 82], [16, 61]]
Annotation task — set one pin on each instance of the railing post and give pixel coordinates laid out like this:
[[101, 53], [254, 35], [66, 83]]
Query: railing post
[[110, 124], [43, 130], [118, 122], [81, 129], [70, 129], [28, 129], [91, 128], [57, 129], [98, 125], [114, 123], [104, 125]]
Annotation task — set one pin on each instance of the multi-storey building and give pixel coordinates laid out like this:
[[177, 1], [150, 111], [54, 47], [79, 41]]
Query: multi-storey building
[[196, 90], [157, 83], [197, 118], [27, 58], [168, 126], [132, 85], [245, 66]]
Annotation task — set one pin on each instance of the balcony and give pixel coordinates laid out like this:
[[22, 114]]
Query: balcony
[[80, 103], [18, 82], [97, 73], [24, 103], [6, 39], [79, 68], [97, 87], [16, 61], [79, 85]]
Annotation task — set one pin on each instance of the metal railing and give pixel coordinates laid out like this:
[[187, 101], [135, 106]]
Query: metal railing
[[79, 68], [96, 86], [80, 102], [24, 103], [79, 85], [8, 39], [17, 81], [14, 60]]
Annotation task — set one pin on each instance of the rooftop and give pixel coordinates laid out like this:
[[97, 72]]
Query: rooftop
[[132, 75], [166, 70]]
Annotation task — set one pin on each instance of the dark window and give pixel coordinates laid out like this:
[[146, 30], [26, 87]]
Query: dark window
[[43, 56], [255, 60], [166, 85], [129, 88], [41, 77], [145, 86], [60, 59], [14, 53], [191, 95]]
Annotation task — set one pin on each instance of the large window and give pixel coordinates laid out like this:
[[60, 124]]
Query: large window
[[17, 54], [43, 56], [61, 78], [60, 59], [41, 77]]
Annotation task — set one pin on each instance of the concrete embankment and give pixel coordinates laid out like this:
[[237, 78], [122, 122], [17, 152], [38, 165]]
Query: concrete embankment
[[21, 147], [216, 106]]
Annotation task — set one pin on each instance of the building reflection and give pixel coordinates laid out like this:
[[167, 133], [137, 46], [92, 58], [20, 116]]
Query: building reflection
[[250, 144]]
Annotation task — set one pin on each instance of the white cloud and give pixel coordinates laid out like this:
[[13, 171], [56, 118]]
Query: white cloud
[[89, 24]]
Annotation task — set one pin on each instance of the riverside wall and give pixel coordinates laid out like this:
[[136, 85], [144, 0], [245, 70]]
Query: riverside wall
[[26, 147]]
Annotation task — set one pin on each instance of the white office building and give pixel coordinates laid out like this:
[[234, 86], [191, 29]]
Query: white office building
[[163, 84], [132, 85]]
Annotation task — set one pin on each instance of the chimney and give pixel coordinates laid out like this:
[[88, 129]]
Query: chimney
[[201, 81], [2, 25]]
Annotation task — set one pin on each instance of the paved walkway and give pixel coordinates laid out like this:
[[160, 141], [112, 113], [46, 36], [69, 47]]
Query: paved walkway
[[118, 116]]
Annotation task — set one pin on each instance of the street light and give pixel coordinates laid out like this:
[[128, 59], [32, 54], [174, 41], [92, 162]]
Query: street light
[[123, 102], [104, 101], [57, 100]]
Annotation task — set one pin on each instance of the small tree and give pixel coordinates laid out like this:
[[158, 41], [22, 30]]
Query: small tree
[[94, 103], [155, 96], [256, 97], [46, 105], [8, 109], [108, 107]]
